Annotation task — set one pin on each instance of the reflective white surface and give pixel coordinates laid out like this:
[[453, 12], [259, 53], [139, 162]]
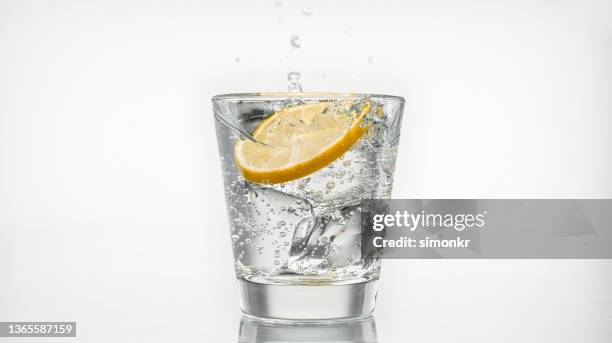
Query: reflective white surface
[[111, 203]]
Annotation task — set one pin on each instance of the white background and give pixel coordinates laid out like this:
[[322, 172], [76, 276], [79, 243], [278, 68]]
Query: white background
[[111, 203]]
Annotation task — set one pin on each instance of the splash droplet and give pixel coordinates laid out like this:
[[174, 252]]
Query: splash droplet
[[294, 82], [296, 42]]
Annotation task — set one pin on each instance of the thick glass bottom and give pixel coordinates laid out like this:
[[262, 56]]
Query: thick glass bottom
[[307, 303]]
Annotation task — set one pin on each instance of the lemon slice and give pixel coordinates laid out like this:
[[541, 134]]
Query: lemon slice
[[299, 140]]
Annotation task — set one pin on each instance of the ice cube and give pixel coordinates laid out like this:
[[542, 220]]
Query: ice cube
[[319, 243], [273, 218]]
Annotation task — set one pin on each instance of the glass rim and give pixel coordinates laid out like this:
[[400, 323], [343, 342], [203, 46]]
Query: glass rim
[[263, 96]]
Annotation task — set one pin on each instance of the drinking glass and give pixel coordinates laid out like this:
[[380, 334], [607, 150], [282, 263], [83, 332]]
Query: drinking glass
[[296, 167]]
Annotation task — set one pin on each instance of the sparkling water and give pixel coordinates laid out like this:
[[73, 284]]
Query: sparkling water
[[306, 231]]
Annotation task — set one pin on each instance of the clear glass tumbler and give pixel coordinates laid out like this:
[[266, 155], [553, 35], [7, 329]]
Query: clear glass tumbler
[[296, 167]]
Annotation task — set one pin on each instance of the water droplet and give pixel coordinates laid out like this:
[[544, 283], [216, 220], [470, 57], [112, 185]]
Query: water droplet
[[306, 10], [293, 76], [237, 59], [330, 185], [370, 59], [296, 42], [278, 3], [294, 82]]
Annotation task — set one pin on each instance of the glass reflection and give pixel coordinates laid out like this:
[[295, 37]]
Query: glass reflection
[[357, 331]]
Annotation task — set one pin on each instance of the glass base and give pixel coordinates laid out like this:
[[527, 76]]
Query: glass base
[[307, 303]]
